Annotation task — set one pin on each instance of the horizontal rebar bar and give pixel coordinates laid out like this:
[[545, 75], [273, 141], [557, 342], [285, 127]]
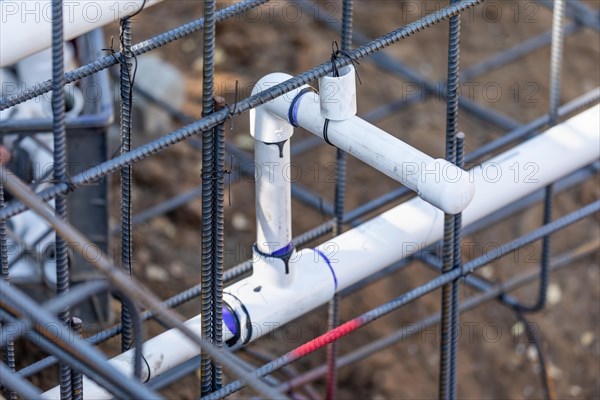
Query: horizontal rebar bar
[[138, 49], [127, 287], [410, 296], [142, 152], [559, 262]]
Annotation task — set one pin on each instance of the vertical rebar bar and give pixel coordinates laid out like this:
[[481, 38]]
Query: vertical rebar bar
[[126, 88], [9, 349], [219, 241], [208, 195], [556, 65], [448, 344], [76, 376], [60, 173], [556, 60], [457, 262], [339, 203]]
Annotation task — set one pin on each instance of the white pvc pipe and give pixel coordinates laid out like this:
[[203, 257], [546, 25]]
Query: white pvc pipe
[[273, 196], [435, 180], [388, 238], [25, 26], [272, 136], [500, 181]]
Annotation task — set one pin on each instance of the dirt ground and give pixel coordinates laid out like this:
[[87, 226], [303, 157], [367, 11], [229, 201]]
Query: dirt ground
[[495, 361]]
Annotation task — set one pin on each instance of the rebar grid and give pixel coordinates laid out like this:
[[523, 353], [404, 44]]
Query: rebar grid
[[16, 308]]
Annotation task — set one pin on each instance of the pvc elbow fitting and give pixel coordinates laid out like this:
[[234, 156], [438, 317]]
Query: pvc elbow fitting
[[446, 186], [265, 123]]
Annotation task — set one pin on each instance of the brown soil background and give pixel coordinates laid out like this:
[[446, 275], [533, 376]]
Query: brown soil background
[[489, 367], [278, 39]]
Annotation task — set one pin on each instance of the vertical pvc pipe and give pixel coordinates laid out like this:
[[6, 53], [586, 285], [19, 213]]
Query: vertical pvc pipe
[[273, 197]]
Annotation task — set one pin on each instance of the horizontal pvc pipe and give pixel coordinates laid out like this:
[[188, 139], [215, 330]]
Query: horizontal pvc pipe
[[414, 225], [25, 26], [435, 180], [388, 238]]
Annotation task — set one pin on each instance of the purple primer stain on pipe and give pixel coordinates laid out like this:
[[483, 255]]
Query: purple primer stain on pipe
[[284, 250], [230, 321]]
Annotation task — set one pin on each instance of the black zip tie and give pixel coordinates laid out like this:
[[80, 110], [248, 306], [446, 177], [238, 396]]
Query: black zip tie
[[337, 53], [325, 132]]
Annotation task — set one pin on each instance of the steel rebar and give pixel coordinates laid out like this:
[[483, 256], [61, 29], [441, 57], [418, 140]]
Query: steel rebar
[[138, 49], [378, 312], [245, 105], [449, 317], [491, 293], [60, 173], [130, 288], [126, 78], [8, 350], [208, 199], [556, 60], [333, 319]]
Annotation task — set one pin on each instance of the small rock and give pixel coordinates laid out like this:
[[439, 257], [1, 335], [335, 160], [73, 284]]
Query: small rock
[[587, 338], [554, 294], [165, 226], [240, 222], [518, 329], [487, 272], [143, 256], [198, 64], [554, 372], [220, 56], [189, 45], [156, 273], [532, 354], [244, 142], [575, 390], [520, 349], [177, 270], [528, 391]]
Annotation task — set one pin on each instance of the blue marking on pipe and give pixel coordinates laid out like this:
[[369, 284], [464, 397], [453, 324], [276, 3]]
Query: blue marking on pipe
[[293, 111], [230, 321], [285, 250], [335, 281]]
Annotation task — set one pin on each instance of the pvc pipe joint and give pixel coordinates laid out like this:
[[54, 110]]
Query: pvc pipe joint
[[263, 303], [269, 123], [436, 181], [338, 95]]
